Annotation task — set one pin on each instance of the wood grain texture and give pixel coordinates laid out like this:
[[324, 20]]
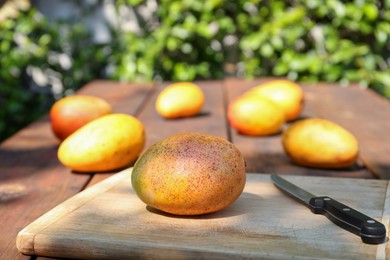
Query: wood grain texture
[[125, 97], [108, 221], [265, 154], [30, 176]]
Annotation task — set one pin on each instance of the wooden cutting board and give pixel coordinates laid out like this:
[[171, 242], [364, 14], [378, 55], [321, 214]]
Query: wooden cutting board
[[108, 221]]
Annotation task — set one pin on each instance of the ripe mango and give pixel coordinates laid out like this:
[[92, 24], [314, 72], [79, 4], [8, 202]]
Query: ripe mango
[[181, 99], [70, 113], [286, 94], [104, 144], [190, 174], [320, 143], [255, 115]]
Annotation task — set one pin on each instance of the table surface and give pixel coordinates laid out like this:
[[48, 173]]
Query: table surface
[[33, 181]]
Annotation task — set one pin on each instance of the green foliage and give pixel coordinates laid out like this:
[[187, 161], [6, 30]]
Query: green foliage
[[305, 40], [180, 47], [323, 41]]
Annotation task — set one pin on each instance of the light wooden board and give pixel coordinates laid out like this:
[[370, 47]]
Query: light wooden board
[[108, 221]]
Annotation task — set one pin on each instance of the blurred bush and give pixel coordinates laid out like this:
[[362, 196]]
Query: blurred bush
[[304, 40]]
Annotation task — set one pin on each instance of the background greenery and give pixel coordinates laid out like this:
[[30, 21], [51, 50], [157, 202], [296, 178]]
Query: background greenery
[[304, 40]]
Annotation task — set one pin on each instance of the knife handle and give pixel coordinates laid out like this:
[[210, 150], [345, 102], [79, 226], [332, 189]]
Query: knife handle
[[370, 230]]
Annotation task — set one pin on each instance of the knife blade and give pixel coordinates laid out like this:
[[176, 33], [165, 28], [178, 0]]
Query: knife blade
[[370, 230]]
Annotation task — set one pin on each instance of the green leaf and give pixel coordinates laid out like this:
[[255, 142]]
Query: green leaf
[[266, 50], [180, 32], [370, 11], [204, 30], [5, 46], [135, 2], [172, 44]]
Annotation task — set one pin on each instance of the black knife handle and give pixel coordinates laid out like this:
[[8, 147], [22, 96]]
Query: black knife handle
[[370, 230]]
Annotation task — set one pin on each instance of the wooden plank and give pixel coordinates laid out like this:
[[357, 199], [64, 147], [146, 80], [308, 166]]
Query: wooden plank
[[266, 154], [108, 221], [125, 97], [364, 113], [211, 120], [32, 181]]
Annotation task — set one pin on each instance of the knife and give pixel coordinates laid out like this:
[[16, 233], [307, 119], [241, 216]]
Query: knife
[[370, 230]]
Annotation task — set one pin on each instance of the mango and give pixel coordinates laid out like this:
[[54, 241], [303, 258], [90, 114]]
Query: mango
[[255, 115], [320, 143], [286, 94], [107, 143], [70, 113], [189, 174], [181, 99]]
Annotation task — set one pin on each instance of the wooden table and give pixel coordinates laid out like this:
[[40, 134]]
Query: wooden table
[[33, 181]]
